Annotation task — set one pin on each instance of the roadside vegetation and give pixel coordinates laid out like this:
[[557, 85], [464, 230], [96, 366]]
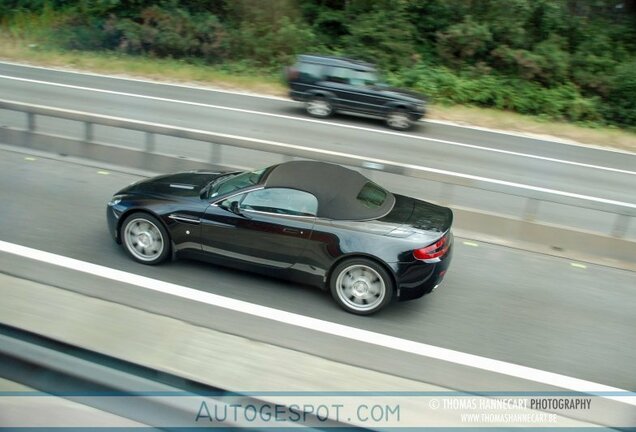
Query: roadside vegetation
[[569, 61]]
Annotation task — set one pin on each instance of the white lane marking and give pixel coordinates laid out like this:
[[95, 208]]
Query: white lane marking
[[385, 132], [578, 265], [470, 243], [147, 81], [322, 326], [370, 162]]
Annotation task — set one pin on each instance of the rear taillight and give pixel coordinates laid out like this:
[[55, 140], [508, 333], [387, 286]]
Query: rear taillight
[[434, 252]]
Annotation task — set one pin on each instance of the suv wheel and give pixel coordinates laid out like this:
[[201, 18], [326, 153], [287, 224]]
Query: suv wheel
[[399, 119], [319, 107]]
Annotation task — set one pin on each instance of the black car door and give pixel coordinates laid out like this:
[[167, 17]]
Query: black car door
[[183, 220], [264, 227]]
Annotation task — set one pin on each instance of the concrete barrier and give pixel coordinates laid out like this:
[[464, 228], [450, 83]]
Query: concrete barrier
[[546, 239]]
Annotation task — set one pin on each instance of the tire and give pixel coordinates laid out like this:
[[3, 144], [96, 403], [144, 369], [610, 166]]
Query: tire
[[319, 107], [145, 239], [399, 120], [361, 286]]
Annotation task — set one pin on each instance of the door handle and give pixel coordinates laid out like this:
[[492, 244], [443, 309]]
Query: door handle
[[185, 219], [292, 231]]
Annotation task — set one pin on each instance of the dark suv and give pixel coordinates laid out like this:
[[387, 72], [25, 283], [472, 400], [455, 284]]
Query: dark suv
[[329, 84]]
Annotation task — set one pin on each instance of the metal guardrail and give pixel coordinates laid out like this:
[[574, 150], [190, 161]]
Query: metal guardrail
[[117, 387], [623, 211]]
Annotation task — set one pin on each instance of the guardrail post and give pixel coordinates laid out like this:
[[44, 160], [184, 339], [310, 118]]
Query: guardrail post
[[620, 226], [372, 168], [150, 142], [215, 153], [532, 207], [88, 132], [31, 122]]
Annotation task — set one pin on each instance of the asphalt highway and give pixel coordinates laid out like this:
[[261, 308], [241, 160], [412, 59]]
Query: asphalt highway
[[497, 302]]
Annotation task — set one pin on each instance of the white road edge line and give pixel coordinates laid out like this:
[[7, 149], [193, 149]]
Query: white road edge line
[[327, 327], [146, 81], [385, 132]]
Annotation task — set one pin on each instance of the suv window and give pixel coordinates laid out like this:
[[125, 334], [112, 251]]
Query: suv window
[[281, 201], [310, 71], [363, 78], [338, 75]]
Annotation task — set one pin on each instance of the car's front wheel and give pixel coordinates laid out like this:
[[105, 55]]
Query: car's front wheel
[[145, 239], [319, 107], [399, 119], [361, 286]]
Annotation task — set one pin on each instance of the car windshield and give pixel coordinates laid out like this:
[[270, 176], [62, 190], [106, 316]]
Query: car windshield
[[232, 182]]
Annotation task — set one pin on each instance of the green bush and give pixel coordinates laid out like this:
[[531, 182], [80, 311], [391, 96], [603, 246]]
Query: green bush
[[271, 44], [547, 63], [467, 41], [620, 105], [445, 86], [385, 37], [79, 33], [37, 27], [171, 32]]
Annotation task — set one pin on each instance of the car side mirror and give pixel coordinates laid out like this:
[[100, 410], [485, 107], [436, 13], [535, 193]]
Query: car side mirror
[[235, 208]]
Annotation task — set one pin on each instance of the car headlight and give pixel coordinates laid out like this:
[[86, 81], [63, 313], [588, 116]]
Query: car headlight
[[114, 200]]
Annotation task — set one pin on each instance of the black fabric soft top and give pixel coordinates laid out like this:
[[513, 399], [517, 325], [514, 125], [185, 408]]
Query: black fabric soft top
[[335, 187]]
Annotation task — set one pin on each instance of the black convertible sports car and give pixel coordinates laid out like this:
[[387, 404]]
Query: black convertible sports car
[[312, 222]]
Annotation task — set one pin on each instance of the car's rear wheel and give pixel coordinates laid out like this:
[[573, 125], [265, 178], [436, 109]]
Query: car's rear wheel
[[361, 286], [399, 119], [145, 239], [319, 107]]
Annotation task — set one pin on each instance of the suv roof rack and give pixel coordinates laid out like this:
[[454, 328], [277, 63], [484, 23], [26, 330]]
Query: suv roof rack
[[336, 60]]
